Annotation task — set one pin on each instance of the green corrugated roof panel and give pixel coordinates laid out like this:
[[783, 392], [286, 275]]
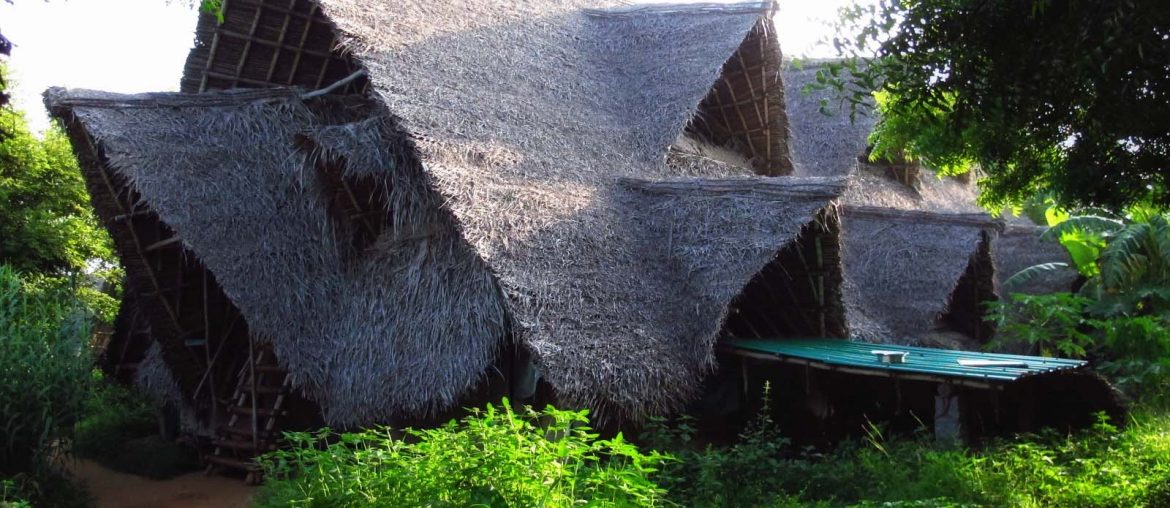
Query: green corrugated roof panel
[[932, 362]]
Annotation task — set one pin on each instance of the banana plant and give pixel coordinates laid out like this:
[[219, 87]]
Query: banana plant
[[1125, 259]]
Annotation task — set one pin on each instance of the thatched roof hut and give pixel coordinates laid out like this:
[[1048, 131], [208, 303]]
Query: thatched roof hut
[[522, 188], [595, 186], [911, 244]]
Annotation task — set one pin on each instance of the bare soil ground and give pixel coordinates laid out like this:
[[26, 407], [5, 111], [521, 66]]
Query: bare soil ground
[[194, 490]]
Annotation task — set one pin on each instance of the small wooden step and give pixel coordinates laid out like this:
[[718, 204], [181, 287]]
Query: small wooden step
[[243, 432], [246, 410], [263, 390], [244, 445], [242, 465]]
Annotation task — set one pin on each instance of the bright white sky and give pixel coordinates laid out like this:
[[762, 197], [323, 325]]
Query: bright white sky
[[140, 45]]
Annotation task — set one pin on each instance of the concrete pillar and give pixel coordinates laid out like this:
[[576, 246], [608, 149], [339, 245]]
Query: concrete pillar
[[948, 422]]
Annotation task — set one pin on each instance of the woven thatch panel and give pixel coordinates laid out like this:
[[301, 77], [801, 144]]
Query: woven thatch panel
[[901, 268], [403, 326], [266, 43], [529, 114], [1018, 248]]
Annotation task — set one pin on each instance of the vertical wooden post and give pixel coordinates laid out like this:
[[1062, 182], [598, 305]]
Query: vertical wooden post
[[252, 369], [210, 361], [820, 283]]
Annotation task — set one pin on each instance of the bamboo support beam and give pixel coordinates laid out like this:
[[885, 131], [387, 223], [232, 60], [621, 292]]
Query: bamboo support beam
[[292, 74], [247, 43], [280, 42], [211, 53], [161, 244]]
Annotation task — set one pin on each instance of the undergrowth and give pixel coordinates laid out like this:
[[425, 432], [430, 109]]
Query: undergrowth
[[495, 457], [1100, 467], [120, 431]]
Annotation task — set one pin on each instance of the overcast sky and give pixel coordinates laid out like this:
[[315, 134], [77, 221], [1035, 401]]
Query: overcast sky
[[139, 45]]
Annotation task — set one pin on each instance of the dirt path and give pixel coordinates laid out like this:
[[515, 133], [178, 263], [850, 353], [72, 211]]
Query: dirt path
[[112, 489]]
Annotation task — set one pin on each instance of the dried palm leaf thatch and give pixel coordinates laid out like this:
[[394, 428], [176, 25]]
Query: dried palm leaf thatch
[[155, 379], [821, 144], [1020, 247], [545, 127], [902, 266], [403, 324]]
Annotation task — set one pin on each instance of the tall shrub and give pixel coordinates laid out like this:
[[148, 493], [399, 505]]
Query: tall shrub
[[44, 370]]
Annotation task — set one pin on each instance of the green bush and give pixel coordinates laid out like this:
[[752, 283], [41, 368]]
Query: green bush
[[44, 370], [1133, 351], [744, 474], [1101, 467], [49, 487], [119, 431], [11, 495], [492, 458]]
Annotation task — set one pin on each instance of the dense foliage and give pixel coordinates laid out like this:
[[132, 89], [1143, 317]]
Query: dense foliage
[[46, 222], [492, 458], [119, 430], [44, 369], [1103, 467], [1067, 98], [44, 379], [1120, 317]]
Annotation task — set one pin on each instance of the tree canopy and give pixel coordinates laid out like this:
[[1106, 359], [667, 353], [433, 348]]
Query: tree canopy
[[1068, 99], [46, 222]]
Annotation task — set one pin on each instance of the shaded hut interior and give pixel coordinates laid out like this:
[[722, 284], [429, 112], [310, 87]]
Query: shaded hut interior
[[263, 43], [798, 293], [744, 111]]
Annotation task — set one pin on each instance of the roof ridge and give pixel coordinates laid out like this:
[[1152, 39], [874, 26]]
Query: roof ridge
[[628, 11], [58, 97], [972, 219]]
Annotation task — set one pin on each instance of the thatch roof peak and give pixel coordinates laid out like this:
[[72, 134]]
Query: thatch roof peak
[[619, 289], [710, 8], [403, 324]]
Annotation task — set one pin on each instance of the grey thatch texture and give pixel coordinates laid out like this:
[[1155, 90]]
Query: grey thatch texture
[[821, 145], [903, 248], [156, 380], [529, 116], [868, 187], [1020, 247], [901, 268], [405, 326]]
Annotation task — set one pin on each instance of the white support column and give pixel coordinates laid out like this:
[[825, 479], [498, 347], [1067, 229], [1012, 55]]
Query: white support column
[[948, 422]]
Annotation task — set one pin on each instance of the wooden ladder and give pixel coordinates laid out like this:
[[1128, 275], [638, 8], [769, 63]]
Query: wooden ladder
[[255, 411]]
